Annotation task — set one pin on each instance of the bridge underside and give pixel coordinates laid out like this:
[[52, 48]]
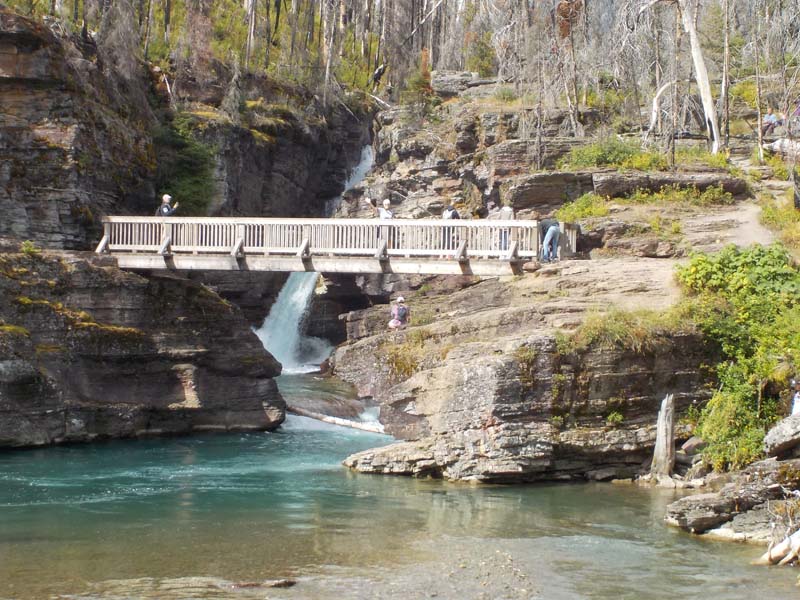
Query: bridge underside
[[488, 267]]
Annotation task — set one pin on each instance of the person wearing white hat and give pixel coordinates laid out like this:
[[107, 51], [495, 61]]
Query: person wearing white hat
[[400, 314], [165, 210], [384, 211]]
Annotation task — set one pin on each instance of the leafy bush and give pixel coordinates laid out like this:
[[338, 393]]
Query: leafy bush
[[614, 152], [614, 418], [588, 205], [778, 166], [481, 57], [748, 302], [746, 92], [610, 151]]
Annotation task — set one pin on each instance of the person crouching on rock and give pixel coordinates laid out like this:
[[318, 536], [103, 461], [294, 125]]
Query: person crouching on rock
[[165, 210], [400, 314]]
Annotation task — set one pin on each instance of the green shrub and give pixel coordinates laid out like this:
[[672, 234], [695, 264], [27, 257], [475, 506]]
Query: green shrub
[[609, 151], [746, 92], [505, 94], [783, 217], [778, 166], [674, 194], [418, 91], [481, 57], [28, 248], [614, 419], [588, 205], [748, 303], [646, 161], [185, 165]]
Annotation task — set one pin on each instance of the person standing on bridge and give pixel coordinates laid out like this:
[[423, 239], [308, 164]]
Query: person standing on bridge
[[165, 210], [383, 212]]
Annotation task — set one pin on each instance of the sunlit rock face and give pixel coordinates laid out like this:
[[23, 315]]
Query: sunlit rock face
[[90, 352]]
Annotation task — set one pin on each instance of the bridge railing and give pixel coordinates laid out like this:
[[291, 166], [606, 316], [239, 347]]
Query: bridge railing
[[345, 237]]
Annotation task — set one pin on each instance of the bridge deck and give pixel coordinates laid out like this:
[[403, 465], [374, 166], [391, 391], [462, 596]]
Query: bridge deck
[[440, 247]]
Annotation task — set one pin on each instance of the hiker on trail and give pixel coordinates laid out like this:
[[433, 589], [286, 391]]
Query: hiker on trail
[[165, 210], [447, 232], [549, 233], [770, 122], [400, 314]]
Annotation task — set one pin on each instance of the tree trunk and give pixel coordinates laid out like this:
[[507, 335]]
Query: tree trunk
[[701, 75], [147, 28], [664, 453], [726, 68], [167, 11]]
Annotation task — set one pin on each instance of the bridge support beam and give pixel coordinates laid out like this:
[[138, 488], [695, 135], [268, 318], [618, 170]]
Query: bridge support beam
[[320, 264]]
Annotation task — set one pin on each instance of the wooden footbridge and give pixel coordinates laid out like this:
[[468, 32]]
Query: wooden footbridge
[[410, 246]]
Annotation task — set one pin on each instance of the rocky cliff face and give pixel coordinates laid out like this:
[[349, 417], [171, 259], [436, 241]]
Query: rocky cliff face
[[76, 140], [72, 145], [88, 351], [488, 388]]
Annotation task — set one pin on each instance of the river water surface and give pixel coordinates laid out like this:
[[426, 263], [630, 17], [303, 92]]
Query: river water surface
[[208, 516]]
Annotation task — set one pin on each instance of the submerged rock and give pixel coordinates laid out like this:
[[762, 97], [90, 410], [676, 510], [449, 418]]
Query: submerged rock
[[761, 482]]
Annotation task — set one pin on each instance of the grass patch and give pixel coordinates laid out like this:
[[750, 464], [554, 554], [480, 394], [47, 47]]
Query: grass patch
[[700, 156], [612, 152], [505, 94], [783, 218], [591, 205], [587, 206], [623, 154], [635, 331], [674, 194], [17, 330]]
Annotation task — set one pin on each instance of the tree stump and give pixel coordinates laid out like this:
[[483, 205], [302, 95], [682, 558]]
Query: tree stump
[[664, 453]]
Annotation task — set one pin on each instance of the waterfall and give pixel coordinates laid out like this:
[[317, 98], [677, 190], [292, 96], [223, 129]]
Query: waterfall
[[281, 332]]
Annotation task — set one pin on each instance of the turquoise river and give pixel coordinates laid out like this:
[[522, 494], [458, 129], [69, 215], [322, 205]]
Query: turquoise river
[[212, 516]]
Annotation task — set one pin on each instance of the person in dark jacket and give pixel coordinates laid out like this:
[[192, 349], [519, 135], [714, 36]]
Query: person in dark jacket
[[165, 210]]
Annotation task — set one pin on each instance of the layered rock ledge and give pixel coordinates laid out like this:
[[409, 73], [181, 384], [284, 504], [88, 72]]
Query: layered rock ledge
[[88, 351]]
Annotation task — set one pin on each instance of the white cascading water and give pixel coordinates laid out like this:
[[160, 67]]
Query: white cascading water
[[281, 331]]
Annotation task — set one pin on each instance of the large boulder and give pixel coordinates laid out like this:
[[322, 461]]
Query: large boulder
[[88, 351], [784, 438]]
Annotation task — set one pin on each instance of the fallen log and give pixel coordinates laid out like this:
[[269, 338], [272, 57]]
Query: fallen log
[[782, 553], [371, 427]]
